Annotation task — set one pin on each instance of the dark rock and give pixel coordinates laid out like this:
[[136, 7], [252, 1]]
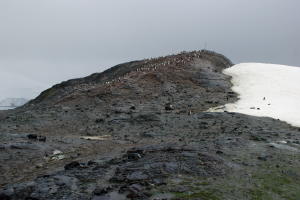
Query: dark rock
[[42, 138], [100, 190], [257, 138], [137, 176], [135, 191], [136, 150], [169, 107], [219, 152], [134, 156], [171, 167], [263, 158], [72, 165], [32, 136], [36, 137], [100, 120], [159, 181], [146, 118], [296, 142], [4, 197], [24, 146], [31, 198], [135, 188], [117, 179], [91, 162], [148, 134], [179, 189]]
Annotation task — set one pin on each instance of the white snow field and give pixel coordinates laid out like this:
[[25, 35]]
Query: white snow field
[[266, 90]]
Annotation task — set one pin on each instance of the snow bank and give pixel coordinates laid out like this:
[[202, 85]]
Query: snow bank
[[266, 90]]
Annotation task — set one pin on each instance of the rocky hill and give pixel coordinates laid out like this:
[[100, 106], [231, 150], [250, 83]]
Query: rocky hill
[[142, 130]]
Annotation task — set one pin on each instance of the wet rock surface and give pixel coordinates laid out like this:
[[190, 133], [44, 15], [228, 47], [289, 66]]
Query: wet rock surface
[[131, 177], [141, 130]]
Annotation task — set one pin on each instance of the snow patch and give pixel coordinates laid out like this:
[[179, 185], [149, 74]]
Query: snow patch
[[266, 90]]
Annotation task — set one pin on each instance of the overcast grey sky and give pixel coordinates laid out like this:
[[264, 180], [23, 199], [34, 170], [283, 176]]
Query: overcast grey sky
[[48, 41]]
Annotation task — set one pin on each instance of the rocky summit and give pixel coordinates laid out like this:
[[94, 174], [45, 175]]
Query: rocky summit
[[143, 130]]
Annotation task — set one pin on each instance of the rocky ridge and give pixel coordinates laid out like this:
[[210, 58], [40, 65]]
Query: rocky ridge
[[141, 130]]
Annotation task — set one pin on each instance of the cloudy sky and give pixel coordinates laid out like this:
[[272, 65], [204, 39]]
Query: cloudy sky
[[43, 42]]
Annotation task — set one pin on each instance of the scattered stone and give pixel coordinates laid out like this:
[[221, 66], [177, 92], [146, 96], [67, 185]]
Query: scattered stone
[[38, 166], [42, 138], [100, 190], [57, 152], [26, 146], [159, 181], [72, 165], [219, 152], [100, 120], [32, 136], [169, 107], [36, 137], [134, 156], [263, 158], [283, 142], [101, 138], [137, 176], [257, 138], [135, 188], [4, 197], [146, 118], [58, 157], [179, 189], [296, 142], [149, 134], [91, 162]]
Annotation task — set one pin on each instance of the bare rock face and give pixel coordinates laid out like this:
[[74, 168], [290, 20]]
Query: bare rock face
[[141, 130]]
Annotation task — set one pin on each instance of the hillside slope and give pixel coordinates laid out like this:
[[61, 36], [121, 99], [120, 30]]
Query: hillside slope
[[142, 130], [191, 82]]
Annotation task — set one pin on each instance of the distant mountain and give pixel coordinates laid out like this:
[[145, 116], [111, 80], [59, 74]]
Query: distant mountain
[[13, 102]]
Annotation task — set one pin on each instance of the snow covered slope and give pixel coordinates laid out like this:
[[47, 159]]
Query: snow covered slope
[[266, 90]]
